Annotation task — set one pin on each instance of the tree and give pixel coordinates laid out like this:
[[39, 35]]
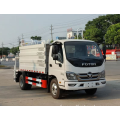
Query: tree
[[36, 37], [112, 35], [14, 50], [94, 34], [5, 50], [51, 41], [79, 37], [101, 24]]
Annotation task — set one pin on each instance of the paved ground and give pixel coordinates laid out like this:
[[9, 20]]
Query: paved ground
[[113, 69], [11, 95]]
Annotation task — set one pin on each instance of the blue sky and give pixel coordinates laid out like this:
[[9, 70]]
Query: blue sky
[[13, 26]]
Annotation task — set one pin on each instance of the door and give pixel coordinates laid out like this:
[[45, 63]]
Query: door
[[56, 67]]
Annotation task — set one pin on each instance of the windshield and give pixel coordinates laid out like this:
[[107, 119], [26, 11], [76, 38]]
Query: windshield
[[83, 54], [82, 50]]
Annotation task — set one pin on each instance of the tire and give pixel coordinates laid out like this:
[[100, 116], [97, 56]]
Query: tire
[[22, 84], [91, 91], [56, 92]]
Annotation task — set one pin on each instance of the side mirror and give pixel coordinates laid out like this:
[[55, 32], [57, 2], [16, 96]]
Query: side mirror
[[55, 49], [104, 56], [98, 44], [104, 50], [55, 57]]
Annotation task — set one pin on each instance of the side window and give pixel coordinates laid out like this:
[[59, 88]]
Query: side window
[[70, 51], [60, 54], [74, 34], [79, 34]]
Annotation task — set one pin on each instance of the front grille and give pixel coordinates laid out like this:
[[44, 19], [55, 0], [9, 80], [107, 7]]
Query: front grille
[[86, 77]]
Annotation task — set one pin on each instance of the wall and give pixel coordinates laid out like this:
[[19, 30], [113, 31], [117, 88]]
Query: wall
[[71, 34]]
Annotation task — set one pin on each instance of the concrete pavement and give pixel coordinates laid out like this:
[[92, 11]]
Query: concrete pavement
[[12, 95]]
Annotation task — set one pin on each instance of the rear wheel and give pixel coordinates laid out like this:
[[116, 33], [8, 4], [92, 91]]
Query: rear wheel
[[91, 91], [22, 84], [55, 90]]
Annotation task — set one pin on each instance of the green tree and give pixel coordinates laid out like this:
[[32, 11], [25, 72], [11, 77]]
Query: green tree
[[79, 37], [112, 35], [5, 50], [36, 37], [14, 50], [94, 34], [51, 41], [101, 24]]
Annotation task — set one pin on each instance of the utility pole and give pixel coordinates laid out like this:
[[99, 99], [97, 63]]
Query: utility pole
[[82, 34], [51, 32], [22, 36], [2, 49], [19, 41]]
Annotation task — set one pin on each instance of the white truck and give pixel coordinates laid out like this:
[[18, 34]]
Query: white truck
[[62, 65]]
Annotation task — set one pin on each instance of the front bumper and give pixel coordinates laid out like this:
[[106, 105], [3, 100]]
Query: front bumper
[[83, 85]]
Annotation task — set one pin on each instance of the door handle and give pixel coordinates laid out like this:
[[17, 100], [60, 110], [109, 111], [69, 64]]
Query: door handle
[[60, 65], [50, 65]]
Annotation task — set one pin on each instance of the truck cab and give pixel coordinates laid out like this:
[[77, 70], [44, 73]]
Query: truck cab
[[77, 64]]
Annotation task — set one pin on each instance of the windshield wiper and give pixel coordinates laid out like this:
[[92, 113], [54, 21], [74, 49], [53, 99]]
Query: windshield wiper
[[78, 59], [94, 59], [72, 58]]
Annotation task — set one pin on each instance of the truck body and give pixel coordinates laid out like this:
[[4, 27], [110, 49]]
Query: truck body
[[62, 65]]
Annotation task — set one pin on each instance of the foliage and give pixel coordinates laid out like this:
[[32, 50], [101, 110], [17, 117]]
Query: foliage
[[14, 50], [36, 37], [51, 41], [112, 35], [100, 26], [94, 34], [79, 37], [1, 66], [5, 50]]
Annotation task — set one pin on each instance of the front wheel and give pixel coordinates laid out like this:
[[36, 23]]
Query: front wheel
[[91, 91], [55, 90]]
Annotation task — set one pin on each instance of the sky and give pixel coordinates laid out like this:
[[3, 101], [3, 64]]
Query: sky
[[13, 26]]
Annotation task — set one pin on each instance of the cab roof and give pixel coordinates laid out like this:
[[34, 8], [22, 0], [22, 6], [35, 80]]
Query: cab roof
[[65, 40]]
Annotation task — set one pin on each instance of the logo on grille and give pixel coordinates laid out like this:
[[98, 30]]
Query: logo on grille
[[89, 75], [88, 64]]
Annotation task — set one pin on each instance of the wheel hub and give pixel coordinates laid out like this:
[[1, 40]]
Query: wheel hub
[[21, 82], [54, 89]]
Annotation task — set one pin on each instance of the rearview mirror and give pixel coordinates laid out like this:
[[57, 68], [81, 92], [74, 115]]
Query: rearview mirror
[[55, 49], [104, 49], [104, 56]]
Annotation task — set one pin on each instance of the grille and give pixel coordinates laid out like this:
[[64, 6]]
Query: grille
[[85, 77]]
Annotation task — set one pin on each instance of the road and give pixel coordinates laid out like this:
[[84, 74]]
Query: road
[[112, 69], [11, 95]]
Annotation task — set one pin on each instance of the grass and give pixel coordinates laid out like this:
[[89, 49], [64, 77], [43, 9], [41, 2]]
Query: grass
[[2, 66]]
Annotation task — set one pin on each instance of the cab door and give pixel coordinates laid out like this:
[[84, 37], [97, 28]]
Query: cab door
[[56, 67]]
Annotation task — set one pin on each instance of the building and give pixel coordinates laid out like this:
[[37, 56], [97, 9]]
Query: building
[[72, 33], [11, 55], [2, 56]]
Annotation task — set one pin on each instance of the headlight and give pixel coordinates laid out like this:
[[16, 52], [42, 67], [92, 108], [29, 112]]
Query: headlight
[[102, 74], [71, 76]]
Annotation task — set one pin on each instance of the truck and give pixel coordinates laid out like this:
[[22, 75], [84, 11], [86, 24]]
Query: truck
[[62, 65]]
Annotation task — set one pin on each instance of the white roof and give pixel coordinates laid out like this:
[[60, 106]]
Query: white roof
[[62, 41]]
